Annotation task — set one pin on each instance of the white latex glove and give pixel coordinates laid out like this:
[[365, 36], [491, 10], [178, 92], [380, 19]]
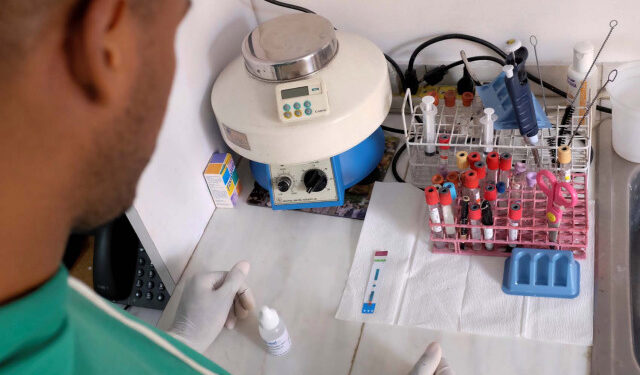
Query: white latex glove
[[211, 300], [432, 362]]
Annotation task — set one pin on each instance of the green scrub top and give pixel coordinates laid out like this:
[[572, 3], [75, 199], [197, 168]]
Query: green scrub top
[[65, 328]]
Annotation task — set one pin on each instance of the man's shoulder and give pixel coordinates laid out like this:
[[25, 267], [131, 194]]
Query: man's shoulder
[[126, 342]]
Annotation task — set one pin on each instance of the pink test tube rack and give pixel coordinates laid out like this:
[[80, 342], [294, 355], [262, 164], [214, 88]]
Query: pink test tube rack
[[533, 231]]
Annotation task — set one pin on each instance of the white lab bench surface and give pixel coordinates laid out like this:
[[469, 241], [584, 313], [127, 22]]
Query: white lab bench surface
[[299, 266]]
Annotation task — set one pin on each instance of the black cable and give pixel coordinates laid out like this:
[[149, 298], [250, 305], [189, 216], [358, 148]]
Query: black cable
[[392, 130], [394, 162], [396, 67], [440, 38], [290, 6], [126, 307]]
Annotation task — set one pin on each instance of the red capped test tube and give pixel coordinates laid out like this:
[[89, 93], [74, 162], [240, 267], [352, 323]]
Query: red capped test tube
[[505, 172], [447, 211], [475, 215], [474, 157], [490, 194], [437, 180], [467, 98], [432, 197], [450, 98], [493, 165], [470, 184], [435, 95], [443, 165], [515, 214]]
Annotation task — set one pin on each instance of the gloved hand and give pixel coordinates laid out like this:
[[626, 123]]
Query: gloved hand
[[210, 301], [432, 362]]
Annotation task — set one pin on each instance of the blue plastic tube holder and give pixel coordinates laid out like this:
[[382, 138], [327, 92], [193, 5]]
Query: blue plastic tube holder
[[541, 273]]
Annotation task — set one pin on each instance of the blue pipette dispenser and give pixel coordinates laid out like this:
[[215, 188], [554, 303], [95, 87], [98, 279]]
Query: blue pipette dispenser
[[541, 273], [495, 95], [522, 102]]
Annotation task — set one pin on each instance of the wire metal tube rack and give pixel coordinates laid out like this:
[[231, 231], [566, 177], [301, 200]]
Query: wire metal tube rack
[[461, 124]]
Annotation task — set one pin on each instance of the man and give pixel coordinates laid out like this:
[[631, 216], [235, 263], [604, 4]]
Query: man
[[84, 86]]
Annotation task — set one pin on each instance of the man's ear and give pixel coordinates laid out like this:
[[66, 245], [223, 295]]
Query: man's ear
[[101, 48]]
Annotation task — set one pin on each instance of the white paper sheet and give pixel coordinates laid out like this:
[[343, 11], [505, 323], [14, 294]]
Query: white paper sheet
[[452, 292]]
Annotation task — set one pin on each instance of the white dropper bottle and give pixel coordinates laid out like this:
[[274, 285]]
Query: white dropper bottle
[[582, 59], [273, 332]]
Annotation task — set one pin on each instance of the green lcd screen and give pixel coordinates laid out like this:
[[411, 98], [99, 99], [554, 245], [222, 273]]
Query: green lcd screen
[[295, 92]]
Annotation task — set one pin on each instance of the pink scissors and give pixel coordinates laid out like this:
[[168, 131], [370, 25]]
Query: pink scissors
[[556, 192]]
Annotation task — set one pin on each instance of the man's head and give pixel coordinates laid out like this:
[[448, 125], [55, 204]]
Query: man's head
[[83, 90]]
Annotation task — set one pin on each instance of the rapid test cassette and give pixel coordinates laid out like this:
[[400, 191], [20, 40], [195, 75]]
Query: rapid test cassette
[[370, 297]]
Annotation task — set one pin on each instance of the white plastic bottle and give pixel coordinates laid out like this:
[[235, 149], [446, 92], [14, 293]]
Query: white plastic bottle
[[273, 332], [583, 54]]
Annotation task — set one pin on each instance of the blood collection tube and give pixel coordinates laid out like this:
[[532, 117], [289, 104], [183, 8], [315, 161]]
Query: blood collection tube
[[454, 178], [518, 180], [437, 179], [435, 96], [505, 174], [474, 157], [481, 169], [431, 194], [470, 184], [450, 98], [564, 162], [490, 194], [529, 193], [447, 211], [464, 218], [505, 169], [501, 188], [467, 98], [515, 214], [443, 165], [487, 221], [493, 165], [461, 160], [452, 189], [475, 215]]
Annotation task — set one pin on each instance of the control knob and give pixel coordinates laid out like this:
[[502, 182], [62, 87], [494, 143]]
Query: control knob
[[283, 183], [315, 180]]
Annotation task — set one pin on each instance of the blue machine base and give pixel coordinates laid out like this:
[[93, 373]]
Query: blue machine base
[[541, 273], [350, 167]]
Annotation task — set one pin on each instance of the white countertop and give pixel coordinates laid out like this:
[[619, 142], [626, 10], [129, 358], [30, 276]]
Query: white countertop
[[300, 263]]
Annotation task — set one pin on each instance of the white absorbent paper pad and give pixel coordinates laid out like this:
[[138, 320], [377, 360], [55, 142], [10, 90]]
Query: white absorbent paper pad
[[452, 292]]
